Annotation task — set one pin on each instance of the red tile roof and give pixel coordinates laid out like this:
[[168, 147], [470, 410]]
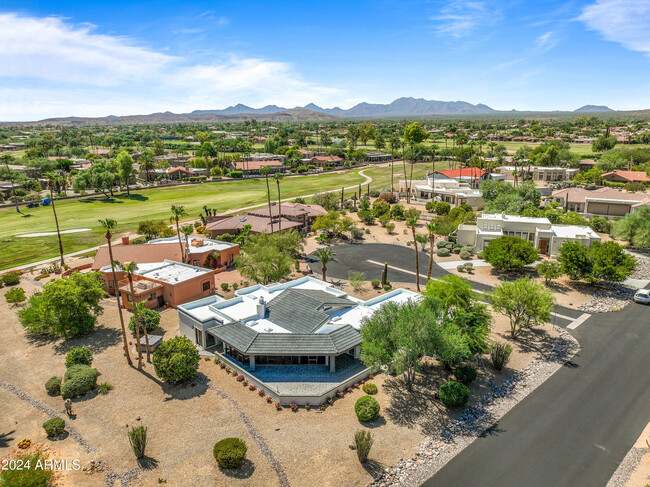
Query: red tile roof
[[290, 209], [629, 175], [137, 253], [464, 172], [234, 224], [256, 165]]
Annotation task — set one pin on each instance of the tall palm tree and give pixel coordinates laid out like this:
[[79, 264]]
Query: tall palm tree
[[109, 224], [431, 228], [325, 255], [278, 177], [411, 222], [178, 212], [146, 161], [51, 180], [266, 170], [130, 271], [187, 230]]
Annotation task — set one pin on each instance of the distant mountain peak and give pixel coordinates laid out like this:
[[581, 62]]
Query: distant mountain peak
[[593, 109]]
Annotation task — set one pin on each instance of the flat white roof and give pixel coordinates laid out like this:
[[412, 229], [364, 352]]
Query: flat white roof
[[514, 218], [573, 231], [208, 243], [171, 272]]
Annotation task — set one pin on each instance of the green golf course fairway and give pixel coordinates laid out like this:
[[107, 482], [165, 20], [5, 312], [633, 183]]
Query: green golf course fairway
[[154, 204]]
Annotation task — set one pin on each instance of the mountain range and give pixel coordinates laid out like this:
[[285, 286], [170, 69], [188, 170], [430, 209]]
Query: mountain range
[[402, 107], [406, 107]]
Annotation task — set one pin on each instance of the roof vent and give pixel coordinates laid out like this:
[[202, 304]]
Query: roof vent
[[268, 330]]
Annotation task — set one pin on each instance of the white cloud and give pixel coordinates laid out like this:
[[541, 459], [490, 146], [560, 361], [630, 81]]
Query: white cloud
[[459, 18], [50, 67], [624, 21], [546, 41]]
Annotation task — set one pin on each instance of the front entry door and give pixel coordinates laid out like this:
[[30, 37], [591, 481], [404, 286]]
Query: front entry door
[[543, 246]]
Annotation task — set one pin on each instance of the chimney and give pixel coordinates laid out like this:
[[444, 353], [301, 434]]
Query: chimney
[[125, 240], [261, 308], [503, 214]]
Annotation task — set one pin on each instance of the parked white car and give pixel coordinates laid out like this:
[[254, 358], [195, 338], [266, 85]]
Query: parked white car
[[642, 296]]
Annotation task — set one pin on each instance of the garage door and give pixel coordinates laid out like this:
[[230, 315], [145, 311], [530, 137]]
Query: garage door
[[618, 210], [598, 208]]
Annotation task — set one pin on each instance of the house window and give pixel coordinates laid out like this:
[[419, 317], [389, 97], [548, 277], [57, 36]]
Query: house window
[[195, 262], [206, 286], [498, 226], [524, 235], [491, 226], [129, 298], [112, 284], [151, 297], [485, 226]]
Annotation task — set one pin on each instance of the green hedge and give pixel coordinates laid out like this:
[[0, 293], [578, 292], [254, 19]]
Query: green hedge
[[366, 408], [453, 394], [53, 385], [54, 427], [230, 452], [78, 380], [176, 360], [465, 374], [79, 356]]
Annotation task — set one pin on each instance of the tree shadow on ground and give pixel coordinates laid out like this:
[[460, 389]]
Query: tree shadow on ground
[[133, 196], [526, 272], [375, 423], [419, 407], [188, 390], [60, 437], [243, 472], [98, 340], [6, 439], [374, 468], [494, 430], [147, 463], [535, 340]]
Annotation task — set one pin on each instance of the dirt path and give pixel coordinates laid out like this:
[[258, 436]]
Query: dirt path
[[266, 451]]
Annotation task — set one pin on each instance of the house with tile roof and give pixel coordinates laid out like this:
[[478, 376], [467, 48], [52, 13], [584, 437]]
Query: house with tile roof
[[608, 202], [285, 336], [619, 176]]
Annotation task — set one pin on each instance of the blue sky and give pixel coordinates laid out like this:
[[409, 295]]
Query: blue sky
[[90, 58]]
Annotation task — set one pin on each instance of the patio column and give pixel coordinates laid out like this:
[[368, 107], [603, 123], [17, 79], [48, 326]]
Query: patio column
[[252, 363], [332, 359], [357, 351]]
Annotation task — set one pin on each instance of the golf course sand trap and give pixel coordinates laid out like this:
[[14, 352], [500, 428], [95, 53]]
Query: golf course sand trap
[[49, 234]]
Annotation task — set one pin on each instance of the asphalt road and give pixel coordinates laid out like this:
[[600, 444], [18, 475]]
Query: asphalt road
[[572, 431]]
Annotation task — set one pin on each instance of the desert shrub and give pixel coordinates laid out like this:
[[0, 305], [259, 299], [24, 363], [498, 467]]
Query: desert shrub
[[465, 255], [363, 441], [357, 233], [453, 394], [369, 388], [224, 286], [53, 385], [15, 295], [104, 388], [430, 206], [390, 227], [442, 252], [376, 283], [11, 278], [500, 354], [54, 427], [78, 380], [230, 452], [460, 268], [146, 317], [441, 244], [387, 286], [138, 440], [236, 174], [467, 249], [366, 408], [15, 474], [549, 270], [176, 360], [79, 355], [456, 250], [465, 374]]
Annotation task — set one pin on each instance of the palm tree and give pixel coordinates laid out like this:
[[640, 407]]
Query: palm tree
[[109, 224], [146, 161], [325, 255], [431, 228], [178, 212], [187, 230], [51, 180], [278, 177], [411, 222], [6, 158], [266, 170], [130, 270]]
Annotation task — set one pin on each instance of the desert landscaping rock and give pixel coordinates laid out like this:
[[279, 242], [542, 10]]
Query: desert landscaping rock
[[476, 420], [614, 297]]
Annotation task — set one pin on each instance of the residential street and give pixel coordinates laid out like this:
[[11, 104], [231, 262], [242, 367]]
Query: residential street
[[576, 428]]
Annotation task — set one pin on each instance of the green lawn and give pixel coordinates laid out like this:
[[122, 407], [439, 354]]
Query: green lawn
[[143, 205], [155, 204]]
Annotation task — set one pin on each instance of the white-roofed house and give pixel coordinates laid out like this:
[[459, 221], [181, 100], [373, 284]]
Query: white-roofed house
[[540, 232]]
